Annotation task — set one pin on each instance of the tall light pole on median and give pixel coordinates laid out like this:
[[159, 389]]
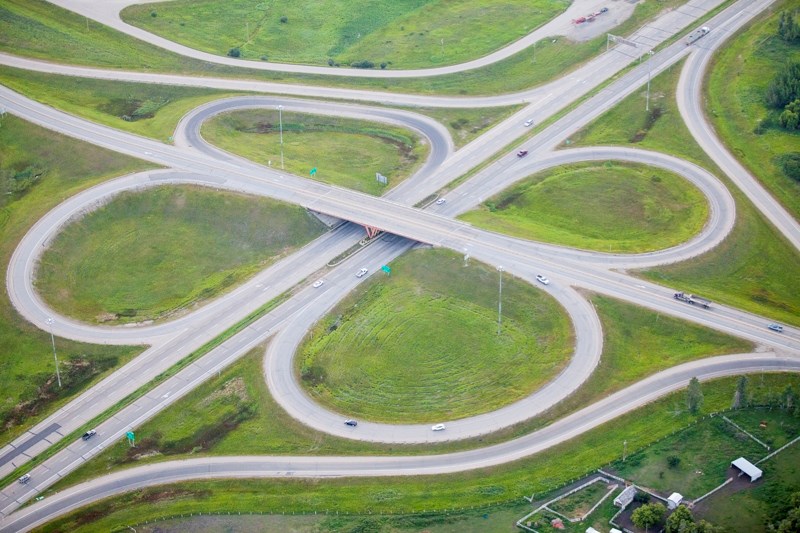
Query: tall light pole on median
[[500, 300], [647, 104], [280, 122], [55, 357]]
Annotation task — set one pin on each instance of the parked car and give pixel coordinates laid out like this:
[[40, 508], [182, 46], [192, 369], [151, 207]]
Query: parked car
[[543, 280], [529, 123], [438, 427], [776, 327], [440, 201], [89, 434], [318, 283], [522, 153], [351, 423], [362, 272]]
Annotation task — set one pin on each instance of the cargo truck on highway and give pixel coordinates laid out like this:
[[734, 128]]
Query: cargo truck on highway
[[696, 34], [692, 299]]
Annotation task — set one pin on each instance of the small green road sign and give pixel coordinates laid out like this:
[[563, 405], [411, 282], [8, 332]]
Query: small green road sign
[[313, 171], [386, 269], [129, 435]]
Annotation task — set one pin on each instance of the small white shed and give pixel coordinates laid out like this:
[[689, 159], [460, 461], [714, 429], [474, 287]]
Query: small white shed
[[674, 500], [747, 468], [591, 530]]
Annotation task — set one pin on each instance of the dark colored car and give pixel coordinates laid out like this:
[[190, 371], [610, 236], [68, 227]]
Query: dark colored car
[[522, 153], [351, 423]]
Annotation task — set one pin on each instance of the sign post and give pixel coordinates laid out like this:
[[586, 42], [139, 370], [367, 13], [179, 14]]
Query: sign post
[[131, 439], [313, 171], [386, 269]]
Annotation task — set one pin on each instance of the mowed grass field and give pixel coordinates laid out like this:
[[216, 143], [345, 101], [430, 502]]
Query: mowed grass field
[[536, 475], [610, 207], [64, 166], [754, 268], [736, 88], [402, 33], [38, 29], [422, 344], [345, 152], [149, 254]]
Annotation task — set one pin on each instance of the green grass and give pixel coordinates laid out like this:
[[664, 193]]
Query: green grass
[[613, 207], [536, 475], [754, 268], [119, 263], [637, 343], [160, 107], [465, 125], [346, 152], [404, 33], [41, 30], [752, 509], [705, 452], [777, 430], [735, 90], [578, 504], [27, 369], [439, 318]]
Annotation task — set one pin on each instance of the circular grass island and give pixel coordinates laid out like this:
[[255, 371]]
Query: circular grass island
[[609, 207], [346, 152], [422, 344], [149, 254]]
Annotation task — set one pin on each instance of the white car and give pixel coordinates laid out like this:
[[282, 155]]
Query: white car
[[529, 123], [440, 201], [318, 283], [543, 280], [362, 272], [438, 427]]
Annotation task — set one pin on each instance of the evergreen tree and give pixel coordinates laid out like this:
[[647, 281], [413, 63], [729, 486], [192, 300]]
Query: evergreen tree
[[694, 396]]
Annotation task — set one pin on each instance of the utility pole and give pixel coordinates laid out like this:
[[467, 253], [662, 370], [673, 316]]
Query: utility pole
[[500, 301], [280, 121], [55, 357]]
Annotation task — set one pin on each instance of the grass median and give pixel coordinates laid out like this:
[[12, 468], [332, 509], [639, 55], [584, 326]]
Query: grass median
[[610, 207], [438, 317], [148, 255], [344, 152]]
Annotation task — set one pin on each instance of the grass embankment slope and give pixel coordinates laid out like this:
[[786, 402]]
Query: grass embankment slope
[[147, 255], [45, 31], [345, 152], [438, 318], [754, 268], [610, 207], [735, 89], [235, 413], [38, 169], [402, 34], [502, 484]]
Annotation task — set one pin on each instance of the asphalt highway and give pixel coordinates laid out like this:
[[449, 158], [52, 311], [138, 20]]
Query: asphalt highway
[[192, 161]]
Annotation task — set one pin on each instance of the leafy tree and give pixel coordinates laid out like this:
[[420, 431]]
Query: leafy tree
[[790, 164], [790, 118], [740, 396], [648, 515], [680, 521], [788, 29], [785, 86], [234, 52], [673, 461], [694, 396]]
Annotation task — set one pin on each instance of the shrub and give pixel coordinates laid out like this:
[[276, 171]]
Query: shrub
[[330, 61], [790, 165], [383, 65], [284, 20], [234, 52], [363, 64], [153, 14]]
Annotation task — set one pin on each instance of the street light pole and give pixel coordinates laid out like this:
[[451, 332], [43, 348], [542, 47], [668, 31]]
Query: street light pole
[[280, 121], [647, 104], [500, 300], [55, 357]]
